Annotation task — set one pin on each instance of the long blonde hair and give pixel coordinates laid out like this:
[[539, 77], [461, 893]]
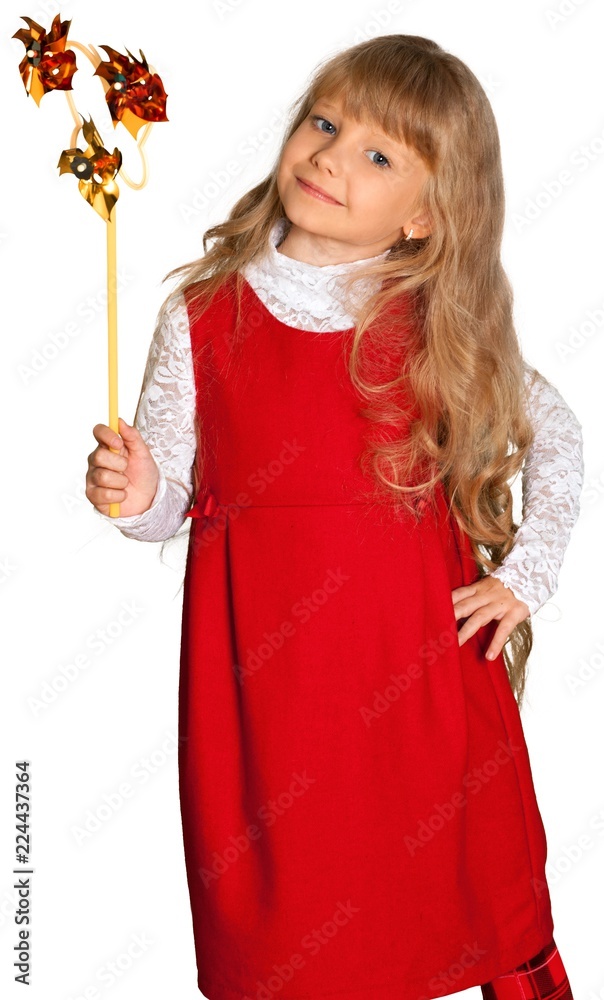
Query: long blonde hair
[[467, 379]]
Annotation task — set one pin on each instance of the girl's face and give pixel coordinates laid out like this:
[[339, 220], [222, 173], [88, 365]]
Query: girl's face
[[371, 179]]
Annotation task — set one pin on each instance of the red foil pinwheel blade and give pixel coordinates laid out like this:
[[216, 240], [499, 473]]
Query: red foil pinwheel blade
[[134, 95], [47, 64]]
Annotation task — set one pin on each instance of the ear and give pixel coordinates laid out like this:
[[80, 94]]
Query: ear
[[421, 225]]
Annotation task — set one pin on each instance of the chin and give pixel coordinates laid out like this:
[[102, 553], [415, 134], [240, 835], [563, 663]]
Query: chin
[[300, 213]]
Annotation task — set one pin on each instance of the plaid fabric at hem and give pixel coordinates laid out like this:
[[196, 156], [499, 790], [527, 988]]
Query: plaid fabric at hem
[[543, 977]]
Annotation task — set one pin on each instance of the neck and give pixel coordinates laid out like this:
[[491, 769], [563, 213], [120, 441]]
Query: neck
[[321, 251]]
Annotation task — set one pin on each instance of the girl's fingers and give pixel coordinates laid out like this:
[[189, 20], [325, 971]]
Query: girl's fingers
[[465, 606], [502, 632], [483, 602], [106, 495], [471, 626], [106, 436], [109, 477], [507, 624], [460, 593], [101, 458], [482, 593]]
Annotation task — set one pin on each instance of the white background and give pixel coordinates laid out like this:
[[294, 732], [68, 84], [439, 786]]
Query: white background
[[231, 75]]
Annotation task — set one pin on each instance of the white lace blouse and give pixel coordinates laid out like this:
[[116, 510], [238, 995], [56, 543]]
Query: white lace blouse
[[307, 296]]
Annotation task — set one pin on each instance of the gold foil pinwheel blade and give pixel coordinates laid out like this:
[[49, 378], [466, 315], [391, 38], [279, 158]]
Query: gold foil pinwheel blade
[[96, 169], [47, 64]]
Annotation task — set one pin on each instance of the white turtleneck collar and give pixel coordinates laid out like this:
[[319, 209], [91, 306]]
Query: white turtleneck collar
[[307, 296]]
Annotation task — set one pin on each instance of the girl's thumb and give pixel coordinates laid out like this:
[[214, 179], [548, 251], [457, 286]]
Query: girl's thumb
[[127, 432]]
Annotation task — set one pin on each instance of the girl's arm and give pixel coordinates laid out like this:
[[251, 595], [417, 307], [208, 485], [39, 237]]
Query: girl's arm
[[165, 418], [552, 480]]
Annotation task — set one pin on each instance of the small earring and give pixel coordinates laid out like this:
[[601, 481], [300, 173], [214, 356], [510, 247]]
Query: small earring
[[410, 235]]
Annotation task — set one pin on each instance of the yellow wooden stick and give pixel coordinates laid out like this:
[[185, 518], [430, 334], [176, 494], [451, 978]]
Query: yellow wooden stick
[[114, 508]]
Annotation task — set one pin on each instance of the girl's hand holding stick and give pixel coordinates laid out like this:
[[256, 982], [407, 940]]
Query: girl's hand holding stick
[[121, 471]]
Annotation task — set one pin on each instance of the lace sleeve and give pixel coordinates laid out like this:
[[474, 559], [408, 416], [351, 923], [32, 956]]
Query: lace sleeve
[[552, 480], [165, 418]]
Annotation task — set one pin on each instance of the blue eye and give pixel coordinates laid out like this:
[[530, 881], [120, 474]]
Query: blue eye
[[319, 118], [383, 157]]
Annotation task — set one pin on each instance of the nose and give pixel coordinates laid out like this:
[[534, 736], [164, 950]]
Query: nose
[[330, 156], [322, 161]]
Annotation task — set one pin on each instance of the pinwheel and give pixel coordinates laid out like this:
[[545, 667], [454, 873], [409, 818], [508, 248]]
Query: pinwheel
[[46, 65], [135, 97], [96, 169]]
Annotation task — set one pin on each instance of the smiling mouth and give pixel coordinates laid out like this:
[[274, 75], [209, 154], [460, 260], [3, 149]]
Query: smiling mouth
[[316, 192]]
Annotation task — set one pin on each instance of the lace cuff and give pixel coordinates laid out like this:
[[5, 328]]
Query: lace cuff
[[552, 480], [138, 525]]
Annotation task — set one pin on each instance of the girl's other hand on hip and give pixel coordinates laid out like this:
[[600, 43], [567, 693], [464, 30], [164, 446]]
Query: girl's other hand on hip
[[486, 600]]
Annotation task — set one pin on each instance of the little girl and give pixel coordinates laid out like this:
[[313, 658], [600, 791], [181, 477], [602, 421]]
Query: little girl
[[336, 396]]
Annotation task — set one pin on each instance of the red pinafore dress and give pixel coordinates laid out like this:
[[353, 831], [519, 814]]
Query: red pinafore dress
[[358, 810]]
